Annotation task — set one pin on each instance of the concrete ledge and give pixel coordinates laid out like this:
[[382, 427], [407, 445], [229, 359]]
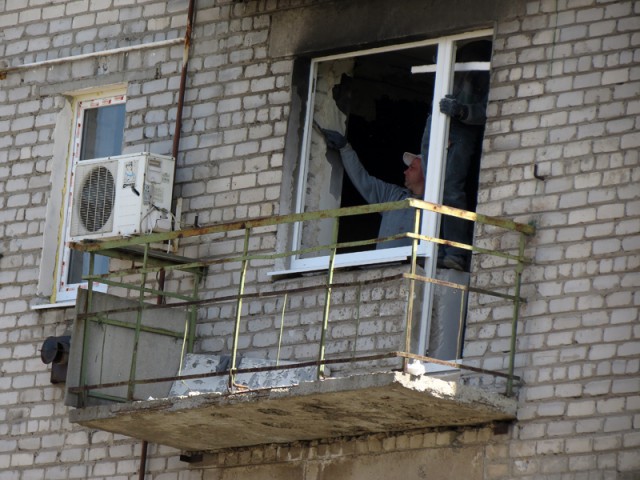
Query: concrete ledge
[[335, 407]]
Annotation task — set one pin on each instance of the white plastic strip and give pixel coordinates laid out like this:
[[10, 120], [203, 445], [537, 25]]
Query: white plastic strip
[[459, 67], [83, 56]]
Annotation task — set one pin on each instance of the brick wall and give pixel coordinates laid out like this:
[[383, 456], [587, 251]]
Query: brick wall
[[564, 107]]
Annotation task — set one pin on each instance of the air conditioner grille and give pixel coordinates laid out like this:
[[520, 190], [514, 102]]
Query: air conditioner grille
[[97, 197]]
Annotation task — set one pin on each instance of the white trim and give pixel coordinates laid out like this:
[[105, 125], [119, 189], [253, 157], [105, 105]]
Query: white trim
[[346, 260], [434, 368], [321, 264], [459, 67], [304, 154], [51, 306], [404, 46], [435, 176]]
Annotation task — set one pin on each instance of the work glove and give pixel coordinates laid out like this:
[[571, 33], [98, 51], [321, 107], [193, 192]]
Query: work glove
[[452, 108], [334, 139]]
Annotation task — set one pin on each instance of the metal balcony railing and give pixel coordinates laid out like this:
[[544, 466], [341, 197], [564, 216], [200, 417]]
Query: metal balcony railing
[[142, 271]]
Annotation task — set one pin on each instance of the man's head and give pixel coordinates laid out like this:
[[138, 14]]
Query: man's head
[[414, 174]]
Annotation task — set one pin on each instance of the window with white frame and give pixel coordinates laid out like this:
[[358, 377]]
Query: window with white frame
[[98, 130], [385, 101]]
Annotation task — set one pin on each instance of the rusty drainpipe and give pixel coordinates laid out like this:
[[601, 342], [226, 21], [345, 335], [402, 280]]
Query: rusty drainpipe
[[178, 127], [174, 153]]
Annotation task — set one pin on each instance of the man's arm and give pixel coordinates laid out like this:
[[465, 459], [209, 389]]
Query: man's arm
[[371, 188], [471, 114]]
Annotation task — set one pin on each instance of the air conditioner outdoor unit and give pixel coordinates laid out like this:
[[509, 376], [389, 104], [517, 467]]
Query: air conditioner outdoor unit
[[121, 196]]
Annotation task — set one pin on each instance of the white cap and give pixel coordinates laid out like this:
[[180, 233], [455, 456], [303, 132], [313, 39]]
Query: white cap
[[408, 157]]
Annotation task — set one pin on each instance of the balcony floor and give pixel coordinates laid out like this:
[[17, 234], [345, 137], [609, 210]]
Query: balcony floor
[[335, 407]]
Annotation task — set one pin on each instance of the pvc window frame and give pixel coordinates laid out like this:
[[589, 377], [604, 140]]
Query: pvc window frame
[[64, 291], [434, 178]]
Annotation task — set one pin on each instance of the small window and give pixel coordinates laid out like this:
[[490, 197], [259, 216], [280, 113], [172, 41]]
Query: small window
[[385, 102], [98, 132]]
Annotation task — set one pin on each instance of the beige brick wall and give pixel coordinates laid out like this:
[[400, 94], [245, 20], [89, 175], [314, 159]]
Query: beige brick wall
[[564, 106]]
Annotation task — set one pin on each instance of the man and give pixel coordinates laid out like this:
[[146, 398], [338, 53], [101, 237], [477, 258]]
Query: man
[[374, 190], [466, 108]]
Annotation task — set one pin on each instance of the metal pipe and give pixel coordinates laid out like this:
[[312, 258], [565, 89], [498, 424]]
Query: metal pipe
[[412, 288], [269, 294], [183, 80], [102, 320], [284, 307], [143, 460], [514, 322], [236, 331], [311, 363], [355, 341], [316, 215], [327, 300], [174, 153], [193, 316], [84, 56], [177, 132], [138, 329], [88, 306]]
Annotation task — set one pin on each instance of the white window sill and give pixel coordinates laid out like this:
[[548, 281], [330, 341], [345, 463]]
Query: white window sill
[[321, 264], [68, 299], [50, 306]]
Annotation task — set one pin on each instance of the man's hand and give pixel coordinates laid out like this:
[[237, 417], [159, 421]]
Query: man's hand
[[452, 108], [334, 139]]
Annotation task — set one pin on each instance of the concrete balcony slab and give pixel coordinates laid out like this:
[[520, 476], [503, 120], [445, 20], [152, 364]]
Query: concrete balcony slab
[[333, 407]]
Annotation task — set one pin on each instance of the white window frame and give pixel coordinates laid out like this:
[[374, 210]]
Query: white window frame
[[67, 292], [434, 178]]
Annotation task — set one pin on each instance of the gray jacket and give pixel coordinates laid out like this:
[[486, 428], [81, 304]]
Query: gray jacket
[[375, 190]]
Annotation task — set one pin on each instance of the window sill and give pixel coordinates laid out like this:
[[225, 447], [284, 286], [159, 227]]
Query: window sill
[[51, 306], [319, 268]]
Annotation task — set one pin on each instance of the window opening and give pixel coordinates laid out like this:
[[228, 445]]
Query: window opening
[[382, 102], [98, 133], [381, 108]]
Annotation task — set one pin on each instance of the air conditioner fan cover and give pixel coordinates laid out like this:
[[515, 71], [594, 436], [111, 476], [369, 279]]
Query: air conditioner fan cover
[[97, 196]]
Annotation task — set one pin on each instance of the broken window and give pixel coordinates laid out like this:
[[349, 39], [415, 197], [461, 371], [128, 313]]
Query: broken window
[[385, 102]]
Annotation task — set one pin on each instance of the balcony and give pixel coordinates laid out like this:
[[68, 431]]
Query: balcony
[[208, 351]]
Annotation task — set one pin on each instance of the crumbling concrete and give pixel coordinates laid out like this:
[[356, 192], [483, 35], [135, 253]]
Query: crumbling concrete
[[336, 407]]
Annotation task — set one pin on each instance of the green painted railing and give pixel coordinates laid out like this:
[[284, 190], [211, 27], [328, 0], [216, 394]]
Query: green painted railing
[[147, 261]]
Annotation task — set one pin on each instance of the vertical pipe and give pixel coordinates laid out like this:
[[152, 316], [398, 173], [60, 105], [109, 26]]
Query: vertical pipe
[[516, 312], [161, 299], [355, 342], [177, 132], [92, 266], [193, 315], [88, 306], [284, 307], [183, 81], [327, 300], [412, 289], [136, 340], [236, 332], [174, 153], [461, 317], [143, 460]]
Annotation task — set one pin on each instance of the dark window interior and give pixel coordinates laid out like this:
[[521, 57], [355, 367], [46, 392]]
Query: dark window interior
[[387, 114]]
